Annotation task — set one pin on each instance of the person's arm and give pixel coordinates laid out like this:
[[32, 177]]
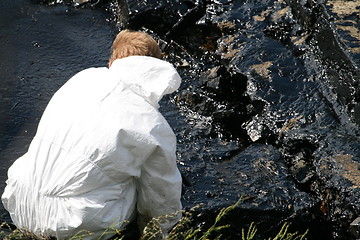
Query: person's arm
[[159, 186]]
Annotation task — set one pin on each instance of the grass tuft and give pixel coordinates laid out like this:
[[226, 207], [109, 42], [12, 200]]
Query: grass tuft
[[184, 230]]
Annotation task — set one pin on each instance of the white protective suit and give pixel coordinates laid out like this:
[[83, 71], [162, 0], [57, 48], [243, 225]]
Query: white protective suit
[[102, 154]]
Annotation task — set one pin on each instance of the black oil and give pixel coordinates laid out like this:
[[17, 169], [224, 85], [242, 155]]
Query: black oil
[[268, 109]]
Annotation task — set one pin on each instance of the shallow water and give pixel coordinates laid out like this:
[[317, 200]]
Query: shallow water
[[40, 48]]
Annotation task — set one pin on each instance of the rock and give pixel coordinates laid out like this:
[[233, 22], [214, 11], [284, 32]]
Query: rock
[[276, 75], [342, 71], [260, 178], [355, 227]]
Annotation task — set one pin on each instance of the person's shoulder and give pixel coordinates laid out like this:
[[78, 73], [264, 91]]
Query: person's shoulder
[[86, 75], [92, 71]]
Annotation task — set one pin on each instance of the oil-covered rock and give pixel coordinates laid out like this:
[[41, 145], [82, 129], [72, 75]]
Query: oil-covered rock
[[273, 73]]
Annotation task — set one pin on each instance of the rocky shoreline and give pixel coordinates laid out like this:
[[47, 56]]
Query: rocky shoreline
[[268, 110]]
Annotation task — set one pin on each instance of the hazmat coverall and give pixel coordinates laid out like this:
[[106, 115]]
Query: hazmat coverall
[[102, 153]]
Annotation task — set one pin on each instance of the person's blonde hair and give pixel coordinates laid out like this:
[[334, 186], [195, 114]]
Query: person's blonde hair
[[133, 43]]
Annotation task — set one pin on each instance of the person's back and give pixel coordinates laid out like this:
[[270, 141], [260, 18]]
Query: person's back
[[102, 152]]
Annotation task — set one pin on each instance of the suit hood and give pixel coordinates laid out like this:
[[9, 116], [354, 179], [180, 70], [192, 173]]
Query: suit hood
[[148, 77]]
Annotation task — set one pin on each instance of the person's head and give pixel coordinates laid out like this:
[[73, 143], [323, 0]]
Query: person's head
[[133, 43]]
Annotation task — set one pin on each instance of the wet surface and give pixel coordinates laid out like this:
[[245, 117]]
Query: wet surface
[[40, 48], [268, 109], [277, 74]]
